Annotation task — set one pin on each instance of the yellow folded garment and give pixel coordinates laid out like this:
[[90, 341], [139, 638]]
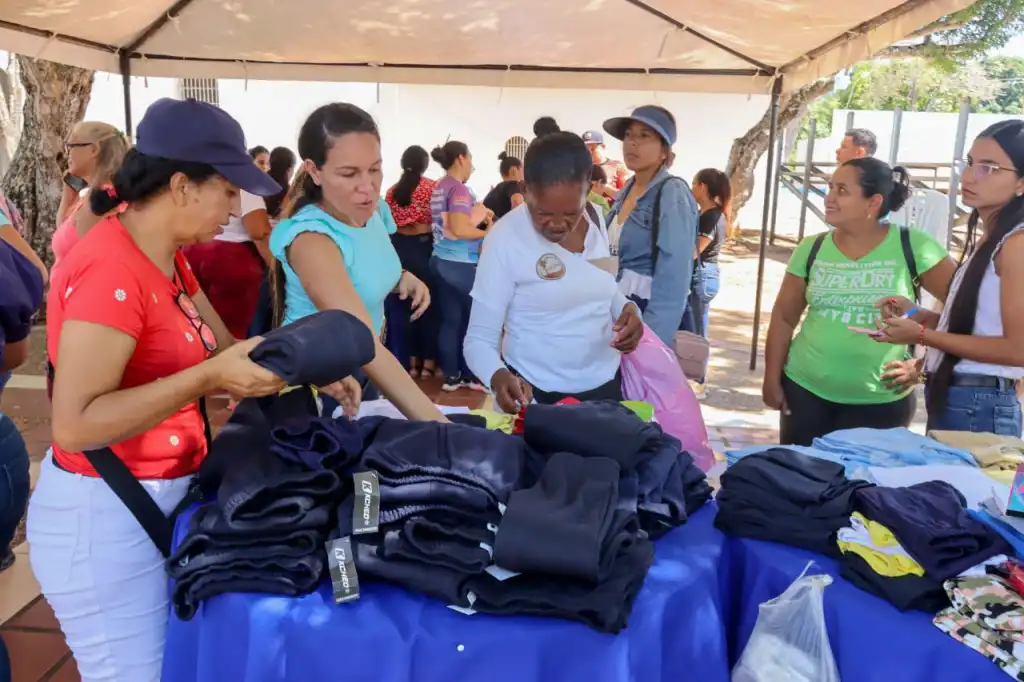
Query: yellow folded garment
[[988, 449], [888, 565], [1004, 476], [885, 555], [497, 421], [880, 535]]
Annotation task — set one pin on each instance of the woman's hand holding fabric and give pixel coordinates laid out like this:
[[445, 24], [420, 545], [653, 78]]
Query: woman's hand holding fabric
[[510, 392], [410, 286], [629, 328], [348, 392], [234, 372]]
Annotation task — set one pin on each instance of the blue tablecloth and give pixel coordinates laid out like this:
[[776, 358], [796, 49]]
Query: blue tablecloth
[[871, 640], [391, 635], [690, 624]]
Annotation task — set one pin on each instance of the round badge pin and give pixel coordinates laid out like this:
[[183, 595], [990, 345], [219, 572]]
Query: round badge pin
[[550, 266]]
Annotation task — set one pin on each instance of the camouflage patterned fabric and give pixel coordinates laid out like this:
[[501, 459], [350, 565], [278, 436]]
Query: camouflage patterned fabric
[[988, 616]]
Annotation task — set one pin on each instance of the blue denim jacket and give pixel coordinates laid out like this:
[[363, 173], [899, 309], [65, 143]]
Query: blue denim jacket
[[667, 292]]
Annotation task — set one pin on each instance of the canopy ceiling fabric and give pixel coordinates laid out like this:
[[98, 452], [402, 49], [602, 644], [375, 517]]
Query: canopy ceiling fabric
[[668, 45]]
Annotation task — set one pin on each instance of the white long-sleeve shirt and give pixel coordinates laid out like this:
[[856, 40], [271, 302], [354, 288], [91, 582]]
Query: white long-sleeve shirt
[[556, 309]]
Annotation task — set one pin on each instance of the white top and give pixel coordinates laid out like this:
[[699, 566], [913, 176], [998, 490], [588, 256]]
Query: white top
[[557, 309], [988, 319], [235, 231]]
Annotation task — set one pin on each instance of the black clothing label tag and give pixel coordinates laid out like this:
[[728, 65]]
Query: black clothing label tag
[[366, 509], [344, 578]]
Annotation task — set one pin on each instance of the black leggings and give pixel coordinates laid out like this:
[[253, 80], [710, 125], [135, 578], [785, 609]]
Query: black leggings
[[418, 339], [811, 417]]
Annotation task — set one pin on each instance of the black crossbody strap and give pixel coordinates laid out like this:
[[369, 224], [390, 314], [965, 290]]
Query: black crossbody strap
[[812, 255], [116, 474]]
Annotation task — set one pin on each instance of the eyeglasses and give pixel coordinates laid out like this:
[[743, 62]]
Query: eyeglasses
[[980, 170], [187, 306], [68, 146]]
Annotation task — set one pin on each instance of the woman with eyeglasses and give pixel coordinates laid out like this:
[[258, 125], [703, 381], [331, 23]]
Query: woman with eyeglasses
[[976, 346], [564, 321], [94, 151], [134, 345]]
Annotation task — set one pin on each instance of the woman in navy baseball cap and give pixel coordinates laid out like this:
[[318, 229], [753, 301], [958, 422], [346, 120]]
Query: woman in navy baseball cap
[[655, 216], [134, 345]]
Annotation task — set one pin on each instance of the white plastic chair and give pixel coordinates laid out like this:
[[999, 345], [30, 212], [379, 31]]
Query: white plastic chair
[[926, 210]]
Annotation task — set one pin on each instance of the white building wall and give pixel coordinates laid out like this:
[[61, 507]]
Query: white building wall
[[484, 118]]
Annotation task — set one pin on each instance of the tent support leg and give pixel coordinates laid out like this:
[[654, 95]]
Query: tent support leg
[[766, 217], [126, 85]]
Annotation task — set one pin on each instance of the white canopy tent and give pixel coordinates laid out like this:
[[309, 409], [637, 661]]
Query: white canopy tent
[[737, 46]]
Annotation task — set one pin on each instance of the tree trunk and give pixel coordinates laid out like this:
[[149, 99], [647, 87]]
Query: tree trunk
[[55, 100], [747, 150], [11, 110]]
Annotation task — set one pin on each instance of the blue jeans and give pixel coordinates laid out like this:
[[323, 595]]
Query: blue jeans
[[981, 410], [14, 481], [706, 283], [454, 283]]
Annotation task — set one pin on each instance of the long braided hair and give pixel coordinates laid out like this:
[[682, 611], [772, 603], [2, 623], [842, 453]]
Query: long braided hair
[[1009, 135]]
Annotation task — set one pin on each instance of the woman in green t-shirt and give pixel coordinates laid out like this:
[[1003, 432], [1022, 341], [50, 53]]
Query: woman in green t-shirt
[[828, 377]]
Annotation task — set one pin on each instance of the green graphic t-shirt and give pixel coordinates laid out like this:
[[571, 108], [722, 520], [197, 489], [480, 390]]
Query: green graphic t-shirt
[[827, 358]]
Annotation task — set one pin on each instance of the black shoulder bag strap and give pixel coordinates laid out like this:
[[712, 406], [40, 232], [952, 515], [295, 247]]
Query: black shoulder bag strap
[[593, 216], [115, 473], [812, 255], [908, 254]]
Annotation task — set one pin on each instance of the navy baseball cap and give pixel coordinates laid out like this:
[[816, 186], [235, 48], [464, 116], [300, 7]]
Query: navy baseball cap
[[651, 116], [194, 131], [593, 137]]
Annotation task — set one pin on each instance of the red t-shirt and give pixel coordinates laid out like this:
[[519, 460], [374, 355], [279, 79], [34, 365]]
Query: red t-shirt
[[107, 280], [617, 173], [418, 210]]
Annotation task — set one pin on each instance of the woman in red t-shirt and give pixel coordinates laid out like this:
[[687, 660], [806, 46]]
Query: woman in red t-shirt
[[135, 344], [414, 342]]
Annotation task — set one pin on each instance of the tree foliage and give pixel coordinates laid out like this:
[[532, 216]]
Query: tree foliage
[[947, 45]]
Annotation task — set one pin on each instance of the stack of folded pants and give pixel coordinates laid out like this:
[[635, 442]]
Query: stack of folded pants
[[442, 490], [664, 481], [265, 533], [574, 549], [930, 526], [788, 497], [875, 561]]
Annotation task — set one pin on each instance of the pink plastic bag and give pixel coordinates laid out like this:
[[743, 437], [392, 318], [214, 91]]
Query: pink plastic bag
[[652, 374]]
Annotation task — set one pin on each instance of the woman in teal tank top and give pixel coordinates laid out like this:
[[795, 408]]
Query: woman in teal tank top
[[334, 250]]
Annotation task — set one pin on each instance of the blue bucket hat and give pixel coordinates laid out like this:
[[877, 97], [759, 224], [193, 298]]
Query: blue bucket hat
[[197, 132], [651, 116]]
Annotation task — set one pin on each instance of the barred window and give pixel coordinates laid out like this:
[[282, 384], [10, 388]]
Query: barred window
[[202, 89], [516, 146]]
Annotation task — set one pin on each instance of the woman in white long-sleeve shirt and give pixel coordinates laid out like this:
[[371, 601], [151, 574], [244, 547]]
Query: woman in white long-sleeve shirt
[[564, 320]]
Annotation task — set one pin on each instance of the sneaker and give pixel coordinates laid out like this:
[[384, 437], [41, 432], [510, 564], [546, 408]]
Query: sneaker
[[474, 384], [452, 383], [699, 390]]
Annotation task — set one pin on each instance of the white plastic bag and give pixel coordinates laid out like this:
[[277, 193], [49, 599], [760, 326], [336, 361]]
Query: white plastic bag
[[790, 639]]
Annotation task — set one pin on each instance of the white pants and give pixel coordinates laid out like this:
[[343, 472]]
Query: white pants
[[101, 573]]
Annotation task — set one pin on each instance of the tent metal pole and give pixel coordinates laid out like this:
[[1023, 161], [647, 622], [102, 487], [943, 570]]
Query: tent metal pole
[[126, 85], [805, 196], [959, 145], [897, 126], [775, 185], [766, 215]]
